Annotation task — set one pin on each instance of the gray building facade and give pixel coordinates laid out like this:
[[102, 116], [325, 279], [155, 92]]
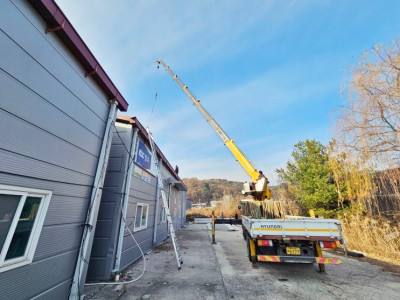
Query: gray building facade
[[132, 213], [57, 109]]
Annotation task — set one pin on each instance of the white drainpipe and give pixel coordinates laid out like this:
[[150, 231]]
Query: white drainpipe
[[90, 226], [156, 212], [125, 202], [169, 206], [182, 209]]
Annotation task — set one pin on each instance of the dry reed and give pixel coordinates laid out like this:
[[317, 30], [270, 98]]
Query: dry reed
[[364, 156], [377, 238], [228, 208]]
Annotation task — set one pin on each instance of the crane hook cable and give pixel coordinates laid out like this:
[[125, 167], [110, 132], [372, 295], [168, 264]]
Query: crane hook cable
[[152, 109]]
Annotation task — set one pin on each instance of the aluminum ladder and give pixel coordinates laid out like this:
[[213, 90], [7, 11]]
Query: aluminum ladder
[[165, 202]]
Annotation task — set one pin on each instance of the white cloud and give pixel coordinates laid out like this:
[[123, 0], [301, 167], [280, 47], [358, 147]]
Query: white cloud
[[128, 36]]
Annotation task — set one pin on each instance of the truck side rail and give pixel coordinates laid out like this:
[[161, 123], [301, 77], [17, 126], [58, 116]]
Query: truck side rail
[[297, 228]]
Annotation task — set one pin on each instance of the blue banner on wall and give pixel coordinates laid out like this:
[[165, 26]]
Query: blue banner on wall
[[143, 157]]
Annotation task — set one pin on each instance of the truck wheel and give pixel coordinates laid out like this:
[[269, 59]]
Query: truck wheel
[[248, 248]]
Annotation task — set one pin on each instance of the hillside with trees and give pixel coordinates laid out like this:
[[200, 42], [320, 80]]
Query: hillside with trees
[[204, 191]]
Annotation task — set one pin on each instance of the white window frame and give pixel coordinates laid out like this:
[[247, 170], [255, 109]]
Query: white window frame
[[136, 215], [163, 214], [27, 258]]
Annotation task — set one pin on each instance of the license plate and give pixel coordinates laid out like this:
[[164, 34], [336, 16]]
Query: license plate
[[293, 250]]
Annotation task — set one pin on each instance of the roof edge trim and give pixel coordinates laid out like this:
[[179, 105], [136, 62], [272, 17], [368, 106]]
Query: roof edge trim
[[143, 132], [54, 17]]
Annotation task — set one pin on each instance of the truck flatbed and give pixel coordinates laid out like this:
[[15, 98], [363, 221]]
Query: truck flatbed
[[294, 228]]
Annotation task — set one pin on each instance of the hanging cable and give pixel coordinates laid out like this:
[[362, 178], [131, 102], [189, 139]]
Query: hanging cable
[[152, 110], [129, 281]]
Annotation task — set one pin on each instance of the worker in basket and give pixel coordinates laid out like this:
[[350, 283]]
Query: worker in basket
[[258, 187]]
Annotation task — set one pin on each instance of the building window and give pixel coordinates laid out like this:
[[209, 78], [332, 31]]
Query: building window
[[163, 214], [142, 212], [22, 213]]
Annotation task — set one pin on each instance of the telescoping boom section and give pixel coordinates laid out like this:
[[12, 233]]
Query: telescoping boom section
[[240, 157]]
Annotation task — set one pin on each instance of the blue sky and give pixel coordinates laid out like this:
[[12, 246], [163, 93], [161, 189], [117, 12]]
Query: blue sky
[[269, 72]]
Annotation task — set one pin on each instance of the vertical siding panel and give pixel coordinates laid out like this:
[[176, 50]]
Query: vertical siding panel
[[52, 122], [143, 192], [105, 240]]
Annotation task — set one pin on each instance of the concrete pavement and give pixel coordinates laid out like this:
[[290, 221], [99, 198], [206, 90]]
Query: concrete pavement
[[223, 271], [199, 277]]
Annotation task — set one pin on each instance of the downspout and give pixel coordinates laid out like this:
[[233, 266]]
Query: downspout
[[182, 209], [185, 203], [169, 206], [125, 202], [156, 212], [91, 218]]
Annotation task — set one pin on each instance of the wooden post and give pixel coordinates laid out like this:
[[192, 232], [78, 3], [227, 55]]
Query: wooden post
[[213, 228]]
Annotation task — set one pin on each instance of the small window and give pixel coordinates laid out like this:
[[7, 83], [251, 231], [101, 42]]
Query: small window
[[22, 213], [142, 212], [163, 214]]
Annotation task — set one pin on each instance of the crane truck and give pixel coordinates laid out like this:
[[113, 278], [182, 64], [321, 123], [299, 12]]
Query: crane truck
[[280, 238]]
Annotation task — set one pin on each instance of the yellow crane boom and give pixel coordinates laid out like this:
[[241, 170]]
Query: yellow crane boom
[[240, 157]]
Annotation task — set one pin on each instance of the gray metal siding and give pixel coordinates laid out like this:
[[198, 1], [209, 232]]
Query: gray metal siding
[[58, 239], [45, 112], [38, 277], [104, 251], [52, 61], [52, 122], [140, 192], [62, 189], [133, 253], [54, 293], [174, 200], [23, 138], [105, 240], [162, 233]]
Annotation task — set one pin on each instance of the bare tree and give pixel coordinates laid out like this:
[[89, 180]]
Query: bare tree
[[370, 123], [365, 155]]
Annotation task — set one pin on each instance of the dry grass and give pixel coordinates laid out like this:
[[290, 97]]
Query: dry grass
[[364, 155], [377, 238], [229, 208], [372, 224]]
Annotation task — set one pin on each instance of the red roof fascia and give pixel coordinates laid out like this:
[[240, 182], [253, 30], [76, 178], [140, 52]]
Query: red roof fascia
[[54, 17], [143, 133]]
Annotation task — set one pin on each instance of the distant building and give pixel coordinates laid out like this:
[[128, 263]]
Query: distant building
[[199, 205], [214, 203], [188, 204]]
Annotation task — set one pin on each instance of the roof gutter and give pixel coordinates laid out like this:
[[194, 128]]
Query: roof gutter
[[59, 24]]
